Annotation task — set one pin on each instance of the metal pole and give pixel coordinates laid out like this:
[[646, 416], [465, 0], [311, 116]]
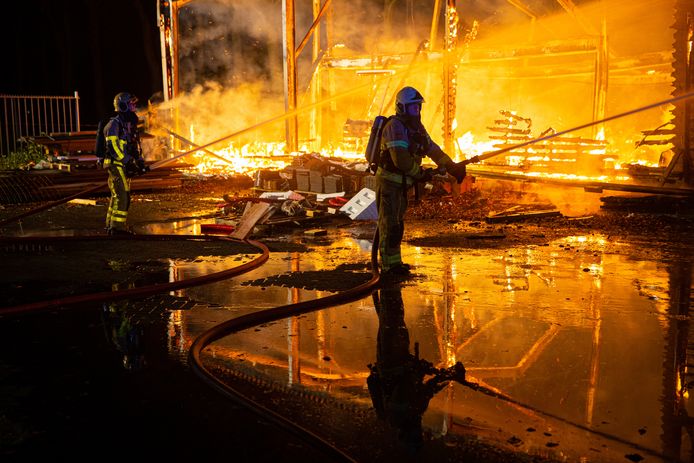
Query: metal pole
[[175, 84], [53, 113], [77, 110], [162, 49], [289, 39], [42, 112], [166, 38], [601, 79], [33, 120], [24, 128], [71, 125], [314, 120], [14, 105], [65, 115], [6, 130]]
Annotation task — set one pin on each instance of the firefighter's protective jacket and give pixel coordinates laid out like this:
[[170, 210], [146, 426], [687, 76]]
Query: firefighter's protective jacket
[[404, 144], [122, 144]]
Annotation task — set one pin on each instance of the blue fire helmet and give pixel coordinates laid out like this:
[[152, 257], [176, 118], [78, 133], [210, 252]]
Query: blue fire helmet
[[122, 102], [407, 95]]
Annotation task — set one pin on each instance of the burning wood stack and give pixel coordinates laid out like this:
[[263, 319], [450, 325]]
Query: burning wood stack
[[563, 154]]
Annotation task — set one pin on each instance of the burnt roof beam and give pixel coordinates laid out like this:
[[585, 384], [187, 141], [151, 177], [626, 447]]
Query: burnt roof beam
[[523, 7], [571, 8]]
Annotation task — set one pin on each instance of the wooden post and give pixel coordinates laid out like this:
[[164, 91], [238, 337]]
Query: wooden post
[[289, 39]]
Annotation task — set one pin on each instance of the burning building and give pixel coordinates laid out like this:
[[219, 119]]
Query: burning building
[[259, 82]]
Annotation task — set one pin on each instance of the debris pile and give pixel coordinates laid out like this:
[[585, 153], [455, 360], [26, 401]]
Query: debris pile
[[466, 206], [313, 173]]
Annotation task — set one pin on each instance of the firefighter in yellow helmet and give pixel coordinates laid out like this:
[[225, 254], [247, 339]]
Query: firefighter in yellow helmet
[[123, 160], [404, 144]]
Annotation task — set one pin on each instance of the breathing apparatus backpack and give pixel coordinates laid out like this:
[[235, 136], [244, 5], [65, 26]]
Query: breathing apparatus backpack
[[100, 148], [373, 147]]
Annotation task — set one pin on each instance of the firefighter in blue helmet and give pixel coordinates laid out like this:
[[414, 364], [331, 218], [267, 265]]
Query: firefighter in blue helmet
[[404, 144], [123, 160]]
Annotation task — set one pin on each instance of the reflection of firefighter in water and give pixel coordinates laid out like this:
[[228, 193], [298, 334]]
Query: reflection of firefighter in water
[[125, 334], [398, 384]]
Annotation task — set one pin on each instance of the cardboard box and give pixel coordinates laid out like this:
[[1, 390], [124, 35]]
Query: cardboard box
[[315, 181], [302, 180], [332, 184]]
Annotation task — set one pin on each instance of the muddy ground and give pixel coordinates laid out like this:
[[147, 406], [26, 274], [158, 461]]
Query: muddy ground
[[58, 270], [461, 221]]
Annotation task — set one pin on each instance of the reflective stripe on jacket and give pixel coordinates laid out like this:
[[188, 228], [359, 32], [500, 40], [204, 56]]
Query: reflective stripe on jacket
[[404, 154], [118, 139]]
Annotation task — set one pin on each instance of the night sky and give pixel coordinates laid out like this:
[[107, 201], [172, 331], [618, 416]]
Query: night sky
[[95, 47]]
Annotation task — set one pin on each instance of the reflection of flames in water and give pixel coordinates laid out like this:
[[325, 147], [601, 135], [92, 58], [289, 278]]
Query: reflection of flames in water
[[256, 156]]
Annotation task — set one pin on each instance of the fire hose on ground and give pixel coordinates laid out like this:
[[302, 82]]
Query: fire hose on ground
[[248, 321], [217, 331], [132, 292], [266, 316]]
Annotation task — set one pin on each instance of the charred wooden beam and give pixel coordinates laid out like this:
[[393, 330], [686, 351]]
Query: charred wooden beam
[[557, 140], [659, 132], [509, 130], [578, 183], [655, 142]]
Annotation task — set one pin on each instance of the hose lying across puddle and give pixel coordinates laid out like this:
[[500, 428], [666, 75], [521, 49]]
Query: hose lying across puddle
[[132, 292], [217, 331], [265, 316]]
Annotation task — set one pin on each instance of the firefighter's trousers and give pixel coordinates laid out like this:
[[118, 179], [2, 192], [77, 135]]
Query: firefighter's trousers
[[392, 205], [119, 185]]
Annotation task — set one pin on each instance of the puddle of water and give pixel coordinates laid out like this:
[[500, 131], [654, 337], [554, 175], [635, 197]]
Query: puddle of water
[[591, 346]]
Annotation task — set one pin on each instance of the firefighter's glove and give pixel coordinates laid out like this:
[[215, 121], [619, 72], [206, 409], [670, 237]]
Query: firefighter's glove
[[141, 166], [426, 175], [456, 169], [99, 163], [131, 169], [135, 167]]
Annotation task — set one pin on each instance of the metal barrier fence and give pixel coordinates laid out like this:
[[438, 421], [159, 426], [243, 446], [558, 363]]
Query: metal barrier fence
[[31, 116]]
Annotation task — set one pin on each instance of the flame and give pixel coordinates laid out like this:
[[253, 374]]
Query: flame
[[254, 156], [468, 147], [241, 160]]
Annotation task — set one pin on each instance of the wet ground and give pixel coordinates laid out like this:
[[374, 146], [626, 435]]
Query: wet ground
[[573, 334]]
